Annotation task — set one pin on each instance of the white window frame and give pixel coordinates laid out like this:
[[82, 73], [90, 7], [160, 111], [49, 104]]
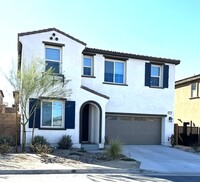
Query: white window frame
[[63, 115], [195, 93], [91, 67], [60, 49], [160, 76], [124, 71]]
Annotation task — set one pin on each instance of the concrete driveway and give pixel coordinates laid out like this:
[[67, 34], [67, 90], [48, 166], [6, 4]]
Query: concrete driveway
[[162, 159]]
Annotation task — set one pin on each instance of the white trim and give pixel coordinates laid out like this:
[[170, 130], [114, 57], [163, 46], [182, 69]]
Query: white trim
[[160, 76], [63, 115], [60, 61], [124, 71], [194, 92], [91, 67]]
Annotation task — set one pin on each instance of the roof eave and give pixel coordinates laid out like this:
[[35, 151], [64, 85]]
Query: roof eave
[[188, 80], [51, 29], [129, 55]]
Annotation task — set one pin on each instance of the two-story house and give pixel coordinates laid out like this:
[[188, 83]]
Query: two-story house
[[187, 102], [114, 94]]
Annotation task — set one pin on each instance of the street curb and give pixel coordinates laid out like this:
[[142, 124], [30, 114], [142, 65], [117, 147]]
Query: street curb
[[67, 171]]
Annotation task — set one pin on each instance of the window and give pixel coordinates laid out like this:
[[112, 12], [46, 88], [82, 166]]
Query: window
[[53, 58], [87, 66], [156, 76], [194, 89], [114, 72], [52, 114]]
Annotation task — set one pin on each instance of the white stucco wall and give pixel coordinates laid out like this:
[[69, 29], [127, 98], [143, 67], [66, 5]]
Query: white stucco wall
[[136, 98], [32, 48], [133, 98]]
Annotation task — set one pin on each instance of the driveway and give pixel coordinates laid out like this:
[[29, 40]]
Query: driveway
[[162, 159]]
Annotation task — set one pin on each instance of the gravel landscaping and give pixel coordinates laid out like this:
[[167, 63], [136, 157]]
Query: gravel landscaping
[[65, 159]]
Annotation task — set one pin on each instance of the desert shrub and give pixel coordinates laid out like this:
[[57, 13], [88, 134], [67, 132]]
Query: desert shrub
[[5, 148], [6, 144], [106, 140], [39, 140], [65, 142], [7, 139], [40, 145], [196, 148], [115, 148], [42, 149], [171, 139]]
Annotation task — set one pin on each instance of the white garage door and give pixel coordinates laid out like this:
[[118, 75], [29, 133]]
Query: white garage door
[[131, 130]]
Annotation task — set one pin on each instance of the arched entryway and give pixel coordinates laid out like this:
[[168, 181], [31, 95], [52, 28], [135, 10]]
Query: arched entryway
[[90, 122]]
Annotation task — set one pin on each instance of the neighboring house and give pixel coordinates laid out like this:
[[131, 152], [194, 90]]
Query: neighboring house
[[187, 101], [114, 94]]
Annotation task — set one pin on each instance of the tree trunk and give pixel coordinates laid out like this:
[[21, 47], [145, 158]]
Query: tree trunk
[[33, 124], [16, 139], [23, 138]]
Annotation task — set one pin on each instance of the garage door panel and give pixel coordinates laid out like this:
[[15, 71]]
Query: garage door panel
[[134, 131]]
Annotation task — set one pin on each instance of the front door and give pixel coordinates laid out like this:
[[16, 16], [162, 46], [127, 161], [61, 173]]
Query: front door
[[85, 124]]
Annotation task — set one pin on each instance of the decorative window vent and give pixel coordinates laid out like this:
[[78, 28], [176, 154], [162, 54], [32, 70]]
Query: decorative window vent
[[53, 37]]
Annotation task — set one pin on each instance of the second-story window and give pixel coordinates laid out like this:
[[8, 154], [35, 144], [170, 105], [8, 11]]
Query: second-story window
[[114, 72], [53, 58], [156, 74], [87, 66], [194, 89]]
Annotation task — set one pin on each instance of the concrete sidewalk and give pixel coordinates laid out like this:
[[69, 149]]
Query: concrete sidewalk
[[70, 171]]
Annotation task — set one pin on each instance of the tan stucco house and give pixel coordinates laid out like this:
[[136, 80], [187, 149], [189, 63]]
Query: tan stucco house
[[187, 101]]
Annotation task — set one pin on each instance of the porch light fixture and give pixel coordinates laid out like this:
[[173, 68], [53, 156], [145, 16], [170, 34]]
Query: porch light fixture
[[170, 119]]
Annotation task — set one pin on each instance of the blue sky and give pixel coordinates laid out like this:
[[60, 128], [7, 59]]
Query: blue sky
[[161, 28]]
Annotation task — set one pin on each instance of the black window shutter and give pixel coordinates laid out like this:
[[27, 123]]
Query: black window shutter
[[166, 76], [69, 114], [32, 103], [147, 74]]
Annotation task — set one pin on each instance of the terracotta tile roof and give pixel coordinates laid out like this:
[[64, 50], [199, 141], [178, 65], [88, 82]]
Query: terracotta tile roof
[[51, 29], [122, 55]]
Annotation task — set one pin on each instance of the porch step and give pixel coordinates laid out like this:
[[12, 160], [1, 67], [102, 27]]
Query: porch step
[[90, 147]]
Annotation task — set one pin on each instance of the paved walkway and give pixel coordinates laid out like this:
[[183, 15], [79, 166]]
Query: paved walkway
[[162, 159]]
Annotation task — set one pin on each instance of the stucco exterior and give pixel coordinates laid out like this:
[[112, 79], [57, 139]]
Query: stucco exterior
[[186, 106], [133, 97]]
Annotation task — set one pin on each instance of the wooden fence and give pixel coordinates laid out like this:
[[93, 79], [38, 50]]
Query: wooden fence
[[186, 135], [9, 126]]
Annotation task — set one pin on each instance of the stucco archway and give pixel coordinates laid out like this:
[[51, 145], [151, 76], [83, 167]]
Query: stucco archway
[[90, 122]]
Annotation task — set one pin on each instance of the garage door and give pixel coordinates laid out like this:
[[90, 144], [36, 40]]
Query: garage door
[[134, 130]]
